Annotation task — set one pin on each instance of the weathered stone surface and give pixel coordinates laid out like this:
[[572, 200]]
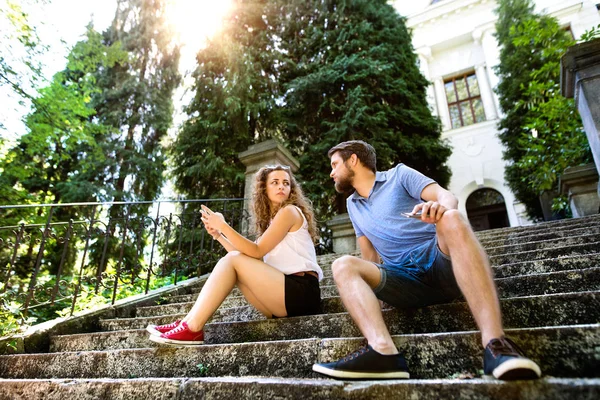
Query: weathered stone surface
[[544, 244], [579, 249], [561, 351], [544, 235], [550, 283], [445, 354], [84, 389], [279, 388], [555, 225], [547, 265], [284, 359], [549, 310]]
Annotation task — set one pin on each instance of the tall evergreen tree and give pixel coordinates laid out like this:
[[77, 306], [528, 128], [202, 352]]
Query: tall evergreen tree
[[234, 104], [350, 72], [313, 74], [136, 99], [541, 131]]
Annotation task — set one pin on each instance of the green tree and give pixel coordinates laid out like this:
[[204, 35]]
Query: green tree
[[136, 99], [20, 51], [350, 72], [234, 104], [541, 130]]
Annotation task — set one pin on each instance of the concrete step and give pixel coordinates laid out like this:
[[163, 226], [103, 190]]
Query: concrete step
[[500, 271], [541, 245], [527, 285], [541, 235], [559, 251], [566, 263], [555, 225], [297, 388], [550, 310], [566, 351], [531, 311]]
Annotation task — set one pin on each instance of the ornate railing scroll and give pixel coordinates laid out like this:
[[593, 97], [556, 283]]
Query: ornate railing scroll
[[55, 258]]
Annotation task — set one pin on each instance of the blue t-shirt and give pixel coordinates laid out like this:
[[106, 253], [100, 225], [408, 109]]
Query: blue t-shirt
[[379, 218]]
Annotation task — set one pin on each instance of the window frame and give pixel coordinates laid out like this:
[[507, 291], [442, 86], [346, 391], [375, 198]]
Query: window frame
[[463, 76]]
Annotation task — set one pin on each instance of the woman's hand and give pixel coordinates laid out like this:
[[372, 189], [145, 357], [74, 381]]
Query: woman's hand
[[212, 220], [212, 231]]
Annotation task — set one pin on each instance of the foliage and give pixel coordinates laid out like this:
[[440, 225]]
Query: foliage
[[349, 72], [20, 51], [234, 104], [590, 34], [541, 130], [312, 74]]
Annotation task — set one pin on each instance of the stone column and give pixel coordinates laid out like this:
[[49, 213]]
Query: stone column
[[424, 54], [487, 97], [442, 103], [580, 78], [344, 237], [261, 154], [491, 52]]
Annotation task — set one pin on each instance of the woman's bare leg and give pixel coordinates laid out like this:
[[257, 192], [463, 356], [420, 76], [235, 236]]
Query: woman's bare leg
[[263, 281], [254, 301]]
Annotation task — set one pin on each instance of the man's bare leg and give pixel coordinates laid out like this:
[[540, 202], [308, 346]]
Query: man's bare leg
[[472, 271], [356, 279]]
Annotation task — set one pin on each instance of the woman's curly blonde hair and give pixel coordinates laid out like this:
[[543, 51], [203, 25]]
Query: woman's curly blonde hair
[[261, 205]]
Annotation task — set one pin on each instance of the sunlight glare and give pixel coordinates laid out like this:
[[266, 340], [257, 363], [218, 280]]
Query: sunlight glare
[[197, 20]]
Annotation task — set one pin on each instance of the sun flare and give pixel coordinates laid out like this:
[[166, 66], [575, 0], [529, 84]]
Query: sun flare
[[197, 20]]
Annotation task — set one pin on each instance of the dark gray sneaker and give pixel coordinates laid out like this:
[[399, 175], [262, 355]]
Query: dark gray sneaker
[[505, 360], [366, 363]]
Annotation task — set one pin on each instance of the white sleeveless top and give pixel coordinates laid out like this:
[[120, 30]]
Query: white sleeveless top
[[295, 253]]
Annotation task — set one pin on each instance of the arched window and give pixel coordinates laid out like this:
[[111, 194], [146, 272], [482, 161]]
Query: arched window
[[486, 210]]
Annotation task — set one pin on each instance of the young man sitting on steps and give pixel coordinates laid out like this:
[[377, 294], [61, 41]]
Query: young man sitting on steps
[[410, 262]]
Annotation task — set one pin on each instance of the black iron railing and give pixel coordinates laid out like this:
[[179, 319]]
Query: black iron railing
[[58, 258]]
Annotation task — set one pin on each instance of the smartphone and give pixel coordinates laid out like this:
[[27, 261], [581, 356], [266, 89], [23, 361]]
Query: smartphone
[[409, 215]]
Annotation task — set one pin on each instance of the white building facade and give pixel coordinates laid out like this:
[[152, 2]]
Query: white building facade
[[457, 50]]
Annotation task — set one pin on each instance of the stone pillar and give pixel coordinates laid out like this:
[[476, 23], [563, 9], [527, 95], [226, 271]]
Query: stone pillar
[[442, 103], [580, 78], [491, 52], [487, 97], [580, 184], [261, 154], [424, 54], [344, 237]]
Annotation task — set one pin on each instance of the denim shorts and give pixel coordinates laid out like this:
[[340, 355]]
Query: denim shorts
[[424, 278]]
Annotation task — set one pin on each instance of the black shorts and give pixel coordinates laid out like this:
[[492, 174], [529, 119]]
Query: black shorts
[[302, 295]]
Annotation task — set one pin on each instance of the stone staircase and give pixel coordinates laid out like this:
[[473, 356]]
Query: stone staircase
[[548, 277]]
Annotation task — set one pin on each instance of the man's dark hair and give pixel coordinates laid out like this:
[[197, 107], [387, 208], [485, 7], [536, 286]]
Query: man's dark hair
[[363, 150]]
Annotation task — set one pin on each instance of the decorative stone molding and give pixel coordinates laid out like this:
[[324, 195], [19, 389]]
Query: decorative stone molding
[[580, 78], [580, 184]]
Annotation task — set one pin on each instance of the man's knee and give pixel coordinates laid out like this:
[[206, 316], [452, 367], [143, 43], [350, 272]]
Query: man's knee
[[344, 267], [452, 222]]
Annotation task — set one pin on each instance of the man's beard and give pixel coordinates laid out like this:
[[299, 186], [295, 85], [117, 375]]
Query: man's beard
[[344, 184]]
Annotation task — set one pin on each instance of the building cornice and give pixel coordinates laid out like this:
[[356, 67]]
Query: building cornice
[[441, 10]]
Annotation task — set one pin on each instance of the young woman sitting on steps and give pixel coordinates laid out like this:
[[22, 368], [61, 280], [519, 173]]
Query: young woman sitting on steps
[[278, 274]]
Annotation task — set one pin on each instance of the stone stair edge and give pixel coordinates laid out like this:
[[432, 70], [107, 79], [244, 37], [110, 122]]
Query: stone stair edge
[[293, 358], [565, 275], [544, 224], [307, 388]]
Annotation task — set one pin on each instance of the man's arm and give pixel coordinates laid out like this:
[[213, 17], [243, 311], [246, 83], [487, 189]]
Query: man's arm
[[367, 250], [437, 201]]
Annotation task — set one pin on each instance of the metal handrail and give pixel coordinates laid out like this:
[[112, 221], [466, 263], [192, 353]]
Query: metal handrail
[[111, 251]]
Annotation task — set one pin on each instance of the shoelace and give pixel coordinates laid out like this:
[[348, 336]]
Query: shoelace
[[179, 329], [356, 353], [504, 346], [172, 324]]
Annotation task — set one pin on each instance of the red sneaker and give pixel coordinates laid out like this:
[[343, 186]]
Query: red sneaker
[[182, 335], [158, 330]]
